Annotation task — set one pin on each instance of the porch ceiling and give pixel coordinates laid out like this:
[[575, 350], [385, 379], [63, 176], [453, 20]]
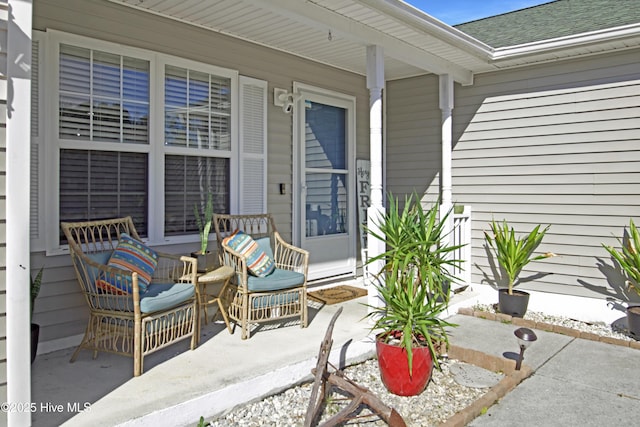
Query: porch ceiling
[[336, 32]]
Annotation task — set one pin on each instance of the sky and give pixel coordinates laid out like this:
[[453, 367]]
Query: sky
[[454, 12]]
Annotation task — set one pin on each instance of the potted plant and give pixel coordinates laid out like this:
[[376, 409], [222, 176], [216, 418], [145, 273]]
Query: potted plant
[[35, 328], [204, 221], [629, 261], [412, 285], [513, 254]]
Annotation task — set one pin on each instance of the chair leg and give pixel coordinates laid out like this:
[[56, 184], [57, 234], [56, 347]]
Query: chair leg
[[303, 311], [75, 354], [88, 332], [195, 333], [137, 350], [245, 316]]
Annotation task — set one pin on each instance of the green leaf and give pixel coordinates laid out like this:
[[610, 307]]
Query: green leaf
[[514, 253], [205, 222], [415, 269], [628, 258]]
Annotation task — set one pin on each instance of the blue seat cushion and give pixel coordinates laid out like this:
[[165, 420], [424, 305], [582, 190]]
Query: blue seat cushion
[[93, 273], [161, 296], [279, 279]]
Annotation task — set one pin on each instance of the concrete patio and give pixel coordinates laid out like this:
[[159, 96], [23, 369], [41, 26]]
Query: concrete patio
[[179, 385]]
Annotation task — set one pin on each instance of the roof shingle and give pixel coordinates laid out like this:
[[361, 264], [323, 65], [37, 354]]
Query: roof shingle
[[551, 20]]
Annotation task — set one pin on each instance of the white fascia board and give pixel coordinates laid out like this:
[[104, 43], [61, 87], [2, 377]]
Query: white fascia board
[[322, 18], [567, 42], [427, 24]]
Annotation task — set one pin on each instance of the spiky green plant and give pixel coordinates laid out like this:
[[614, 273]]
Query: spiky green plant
[[204, 223], [412, 278], [515, 253], [629, 258], [35, 288]]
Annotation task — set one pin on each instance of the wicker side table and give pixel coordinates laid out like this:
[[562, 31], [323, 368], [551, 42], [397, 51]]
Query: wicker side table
[[221, 274]]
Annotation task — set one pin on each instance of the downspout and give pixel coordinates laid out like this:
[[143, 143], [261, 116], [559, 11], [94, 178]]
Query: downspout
[[18, 137], [375, 84], [446, 106]]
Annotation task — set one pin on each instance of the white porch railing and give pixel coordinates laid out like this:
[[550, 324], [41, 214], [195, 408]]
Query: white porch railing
[[462, 236]]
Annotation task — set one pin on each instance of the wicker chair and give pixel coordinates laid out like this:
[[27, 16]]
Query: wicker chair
[[124, 317], [280, 295]]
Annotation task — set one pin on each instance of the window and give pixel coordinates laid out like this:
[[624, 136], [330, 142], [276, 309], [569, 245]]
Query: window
[[103, 98], [197, 116], [148, 135]]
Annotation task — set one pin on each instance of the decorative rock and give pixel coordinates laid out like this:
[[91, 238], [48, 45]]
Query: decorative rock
[[443, 397]]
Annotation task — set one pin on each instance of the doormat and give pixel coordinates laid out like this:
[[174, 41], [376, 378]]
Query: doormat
[[337, 294]]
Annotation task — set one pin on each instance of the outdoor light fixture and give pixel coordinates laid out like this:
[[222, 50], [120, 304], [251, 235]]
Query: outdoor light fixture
[[525, 338], [285, 99]]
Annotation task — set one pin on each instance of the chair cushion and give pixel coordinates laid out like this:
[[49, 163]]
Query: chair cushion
[[258, 262], [279, 279], [93, 273], [114, 287], [265, 245], [162, 296], [135, 256], [111, 285]]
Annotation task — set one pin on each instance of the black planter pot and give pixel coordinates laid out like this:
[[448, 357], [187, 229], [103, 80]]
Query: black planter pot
[[514, 305], [206, 262], [633, 321], [35, 334]]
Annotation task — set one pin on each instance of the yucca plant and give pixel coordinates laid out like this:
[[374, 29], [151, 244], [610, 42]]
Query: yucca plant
[[204, 223], [412, 278], [35, 288], [629, 258], [515, 253]]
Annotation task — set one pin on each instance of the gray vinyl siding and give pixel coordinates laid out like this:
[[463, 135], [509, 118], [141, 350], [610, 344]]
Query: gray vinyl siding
[[3, 198], [61, 309], [413, 150], [553, 144]]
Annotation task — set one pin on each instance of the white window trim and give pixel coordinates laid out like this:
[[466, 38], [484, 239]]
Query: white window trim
[[49, 193]]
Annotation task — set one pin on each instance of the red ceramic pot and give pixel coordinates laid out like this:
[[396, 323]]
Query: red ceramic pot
[[394, 369]]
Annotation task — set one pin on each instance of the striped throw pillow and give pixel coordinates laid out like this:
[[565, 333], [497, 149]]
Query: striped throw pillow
[[258, 262], [135, 256]]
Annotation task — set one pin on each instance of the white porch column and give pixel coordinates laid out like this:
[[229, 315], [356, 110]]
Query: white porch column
[[18, 135], [375, 84], [446, 106]]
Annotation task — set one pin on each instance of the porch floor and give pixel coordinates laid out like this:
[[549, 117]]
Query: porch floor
[[178, 385]]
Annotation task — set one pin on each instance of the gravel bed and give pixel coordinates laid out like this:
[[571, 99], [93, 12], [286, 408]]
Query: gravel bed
[[442, 398], [598, 328]]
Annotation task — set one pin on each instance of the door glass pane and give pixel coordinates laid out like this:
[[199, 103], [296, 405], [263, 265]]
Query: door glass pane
[[325, 140], [326, 204]]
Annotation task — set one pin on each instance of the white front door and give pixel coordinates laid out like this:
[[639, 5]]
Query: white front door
[[325, 139]]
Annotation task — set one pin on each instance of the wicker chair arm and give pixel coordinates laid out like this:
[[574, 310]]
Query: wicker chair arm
[[290, 257], [92, 271], [172, 267], [237, 261]]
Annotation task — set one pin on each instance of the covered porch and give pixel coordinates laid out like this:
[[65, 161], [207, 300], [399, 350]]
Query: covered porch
[[178, 385]]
